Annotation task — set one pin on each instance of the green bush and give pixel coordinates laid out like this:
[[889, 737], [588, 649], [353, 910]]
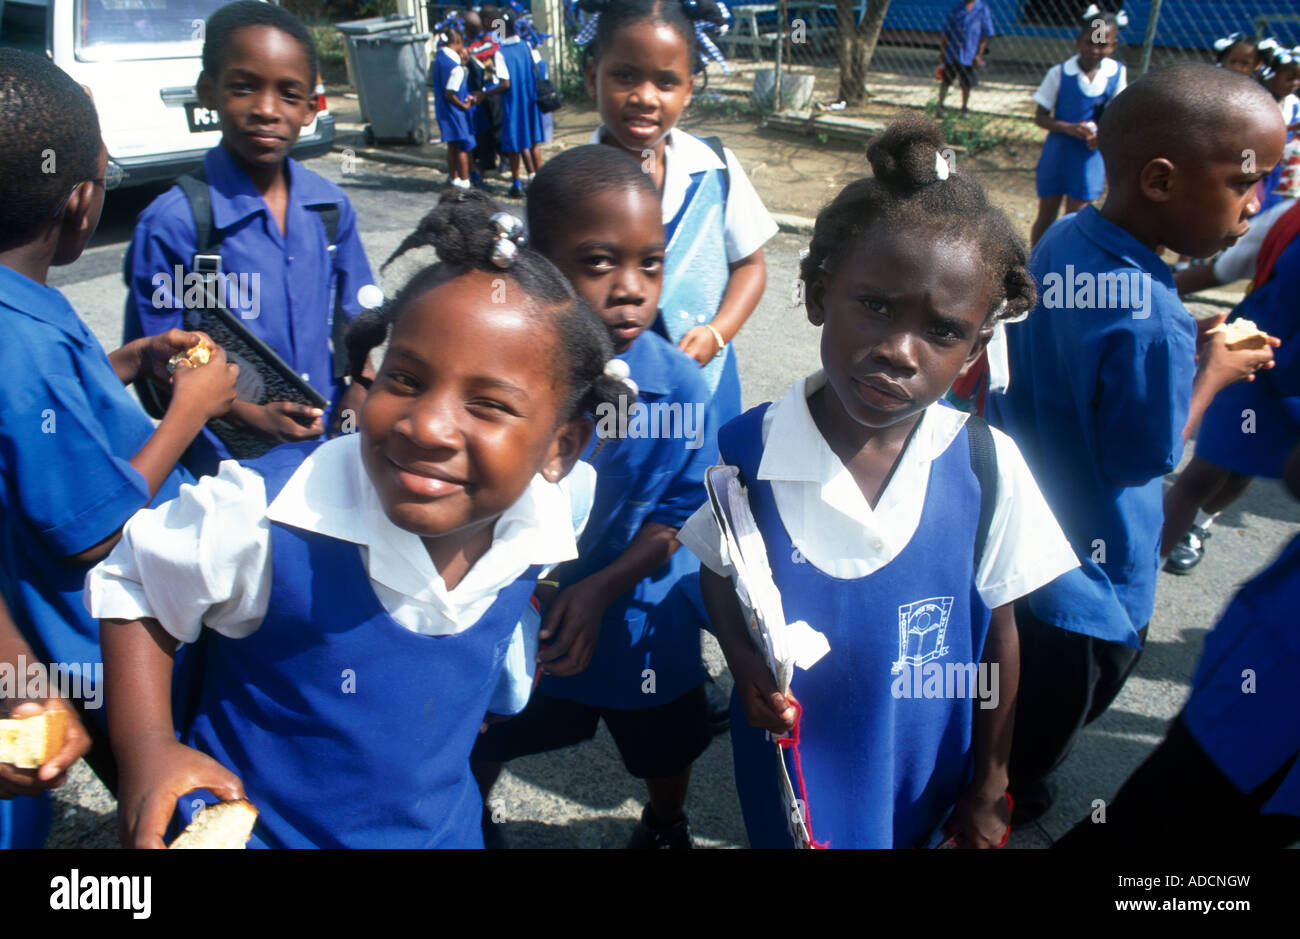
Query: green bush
[[974, 132]]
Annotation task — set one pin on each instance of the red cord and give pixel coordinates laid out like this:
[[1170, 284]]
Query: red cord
[[791, 742]]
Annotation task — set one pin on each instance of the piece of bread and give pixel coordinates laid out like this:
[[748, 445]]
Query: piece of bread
[[1243, 334], [30, 742], [222, 825], [198, 354]]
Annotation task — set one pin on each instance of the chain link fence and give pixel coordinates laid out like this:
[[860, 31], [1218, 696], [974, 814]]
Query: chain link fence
[[1030, 36]]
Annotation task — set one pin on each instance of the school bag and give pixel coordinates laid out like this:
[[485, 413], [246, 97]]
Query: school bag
[[263, 375], [549, 98]]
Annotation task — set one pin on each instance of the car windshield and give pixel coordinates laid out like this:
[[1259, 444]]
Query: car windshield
[[142, 29]]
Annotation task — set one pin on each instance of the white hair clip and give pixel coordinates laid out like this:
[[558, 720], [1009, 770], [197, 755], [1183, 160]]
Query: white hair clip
[[617, 370], [940, 166], [998, 314]]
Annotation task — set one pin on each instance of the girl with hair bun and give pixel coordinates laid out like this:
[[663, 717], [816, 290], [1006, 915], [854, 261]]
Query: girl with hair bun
[[896, 525], [361, 595], [642, 58]]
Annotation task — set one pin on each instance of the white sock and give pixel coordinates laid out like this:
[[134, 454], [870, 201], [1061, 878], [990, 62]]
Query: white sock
[[1203, 520]]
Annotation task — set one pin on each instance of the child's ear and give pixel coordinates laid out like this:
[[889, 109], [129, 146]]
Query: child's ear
[[814, 300], [206, 89], [1157, 179], [690, 90], [568, 445], [976, 350], [310, 114]]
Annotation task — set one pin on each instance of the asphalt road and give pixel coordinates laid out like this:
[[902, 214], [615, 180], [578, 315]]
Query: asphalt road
[[583, 797]]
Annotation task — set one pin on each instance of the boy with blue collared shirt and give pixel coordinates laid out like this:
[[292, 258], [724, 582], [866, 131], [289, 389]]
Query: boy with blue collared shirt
[[259, 71], [1109, 377], [78, 456], [966, 35]]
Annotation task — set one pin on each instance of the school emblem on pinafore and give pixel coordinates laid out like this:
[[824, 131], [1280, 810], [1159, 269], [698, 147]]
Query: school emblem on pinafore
[[921, 629]]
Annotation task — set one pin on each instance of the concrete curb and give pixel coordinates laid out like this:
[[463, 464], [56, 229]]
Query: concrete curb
[[793, 224]]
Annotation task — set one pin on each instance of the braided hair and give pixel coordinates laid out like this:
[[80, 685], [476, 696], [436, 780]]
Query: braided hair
[[461, 231], [681, 15], [907, 192]]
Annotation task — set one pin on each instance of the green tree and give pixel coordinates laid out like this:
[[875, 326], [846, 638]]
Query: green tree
[[856, 45]]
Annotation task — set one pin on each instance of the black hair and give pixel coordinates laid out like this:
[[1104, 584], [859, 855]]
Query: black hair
[[1224, 46], [49, 142], [235, 16], [681, 15], [906, 191], [461, 230], [572, 175], [1186, 112]]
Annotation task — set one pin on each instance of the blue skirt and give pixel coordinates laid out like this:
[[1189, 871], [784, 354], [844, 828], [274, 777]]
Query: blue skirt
[[1067, 167]]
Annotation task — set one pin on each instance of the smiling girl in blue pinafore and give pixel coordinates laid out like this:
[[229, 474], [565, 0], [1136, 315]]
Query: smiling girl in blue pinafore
[[863, 487], [1070, 101], [641, 69], [361, 595]]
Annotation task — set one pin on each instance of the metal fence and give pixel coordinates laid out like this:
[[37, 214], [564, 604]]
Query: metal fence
[[1030, 36]]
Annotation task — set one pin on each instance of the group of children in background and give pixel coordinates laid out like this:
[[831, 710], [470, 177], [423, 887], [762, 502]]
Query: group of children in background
[[488, 566], [484, 75]]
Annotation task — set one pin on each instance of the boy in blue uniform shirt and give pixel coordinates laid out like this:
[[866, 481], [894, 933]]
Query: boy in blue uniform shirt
[[966, 35], [1108, 377], [624, 634], [78, 456], [1227, 774], [259, 68]]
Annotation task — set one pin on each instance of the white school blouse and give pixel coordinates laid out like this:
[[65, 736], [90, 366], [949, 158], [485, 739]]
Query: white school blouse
[[747, 222], [1051, 86], [203, 559], [838, 532]]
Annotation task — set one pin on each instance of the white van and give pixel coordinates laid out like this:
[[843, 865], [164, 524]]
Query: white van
[[140, 60]]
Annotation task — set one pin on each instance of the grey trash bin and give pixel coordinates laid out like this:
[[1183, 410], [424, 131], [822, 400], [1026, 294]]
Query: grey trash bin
[[372, 26], [391, 67]]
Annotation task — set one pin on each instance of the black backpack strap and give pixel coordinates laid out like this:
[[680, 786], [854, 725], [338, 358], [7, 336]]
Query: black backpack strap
[[207, 238], [984, 464], [329, 216], [715, 144]]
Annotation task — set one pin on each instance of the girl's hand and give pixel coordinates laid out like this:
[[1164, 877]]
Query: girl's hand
[[700, 344], [158, 775], [576, 614], [981, 818], [765, 706], [54, 772], [157, 349]]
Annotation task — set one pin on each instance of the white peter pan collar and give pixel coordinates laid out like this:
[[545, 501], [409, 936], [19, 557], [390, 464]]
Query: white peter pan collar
[[805, 456], [331, 494], [1097, 85], [451, 56], [684, 154]]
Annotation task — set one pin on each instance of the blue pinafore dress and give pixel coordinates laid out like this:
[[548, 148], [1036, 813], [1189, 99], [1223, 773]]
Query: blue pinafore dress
[[522, 125], [696, 273], [882, 755], [347, 729], [455, 125], [1067, 166]]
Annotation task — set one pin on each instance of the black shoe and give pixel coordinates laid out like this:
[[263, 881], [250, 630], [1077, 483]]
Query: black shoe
[[719, 707], [649, 834], [1188, 552], [493, 838], [1031, 802]]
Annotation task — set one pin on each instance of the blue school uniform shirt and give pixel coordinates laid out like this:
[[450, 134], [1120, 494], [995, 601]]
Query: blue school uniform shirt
[[1242, 710], [641, 479], [291, 305], [68, 429], [382, 762], [964, 30], [1099, 394]]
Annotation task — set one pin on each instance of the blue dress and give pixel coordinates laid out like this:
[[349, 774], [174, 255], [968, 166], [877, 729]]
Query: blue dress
[[1251, 427], [347, 729], [523, 121], [1067, 166], [696, 273], [455, 125], [880, 767], [655, 625]]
